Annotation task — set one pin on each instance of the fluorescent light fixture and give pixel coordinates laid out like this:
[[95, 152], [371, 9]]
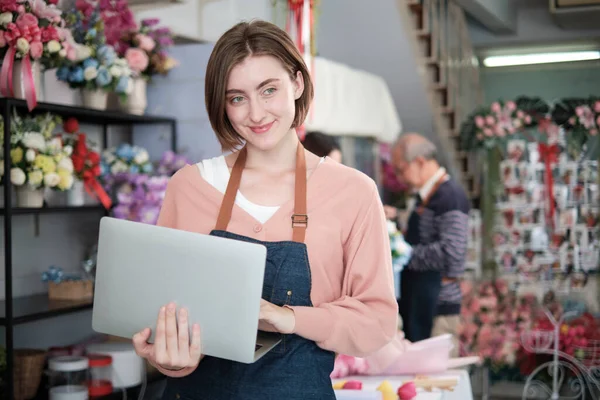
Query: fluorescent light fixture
[[540, 58]]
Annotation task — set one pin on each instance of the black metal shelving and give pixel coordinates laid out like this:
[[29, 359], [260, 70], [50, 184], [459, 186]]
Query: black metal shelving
[[25, 309]]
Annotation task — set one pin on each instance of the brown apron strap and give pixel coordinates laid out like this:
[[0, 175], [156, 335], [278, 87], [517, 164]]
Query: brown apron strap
[[434, 189], [299, 218], [231, 192]]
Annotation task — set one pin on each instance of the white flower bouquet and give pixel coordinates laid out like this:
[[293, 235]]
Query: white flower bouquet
[[39, 159]]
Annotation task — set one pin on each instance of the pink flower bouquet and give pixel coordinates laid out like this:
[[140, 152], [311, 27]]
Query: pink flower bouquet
[[493, 320], [30, 30], [145, 49]]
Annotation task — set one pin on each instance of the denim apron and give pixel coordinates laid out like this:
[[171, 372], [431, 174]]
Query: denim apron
[[419, 290], [296, 369]]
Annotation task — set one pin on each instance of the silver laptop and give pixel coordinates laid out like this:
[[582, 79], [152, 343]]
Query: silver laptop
[[142, 267]]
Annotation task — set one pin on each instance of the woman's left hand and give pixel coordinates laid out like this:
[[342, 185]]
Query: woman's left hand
[[273, 318]]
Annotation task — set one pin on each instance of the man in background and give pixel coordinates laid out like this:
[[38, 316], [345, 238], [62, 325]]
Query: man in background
[[438, 231]]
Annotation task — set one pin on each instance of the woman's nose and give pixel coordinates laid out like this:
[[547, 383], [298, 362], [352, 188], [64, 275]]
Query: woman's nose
[[257, 111]]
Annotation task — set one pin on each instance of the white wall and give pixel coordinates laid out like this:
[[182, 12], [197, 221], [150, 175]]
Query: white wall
[[369, 35]]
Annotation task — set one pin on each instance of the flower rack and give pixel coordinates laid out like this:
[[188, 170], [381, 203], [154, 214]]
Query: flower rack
[[17, 310]]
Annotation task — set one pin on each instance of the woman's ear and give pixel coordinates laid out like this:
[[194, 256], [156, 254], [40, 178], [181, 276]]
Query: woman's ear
[[298, 85]]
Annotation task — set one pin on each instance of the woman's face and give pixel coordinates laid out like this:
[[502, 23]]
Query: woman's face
[[260, 100]]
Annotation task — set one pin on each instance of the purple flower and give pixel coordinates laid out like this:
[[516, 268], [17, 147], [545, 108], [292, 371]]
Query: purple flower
[[138, 179], [149, 214], [155, 198], [165, 41], [121, 211], [124, 198], [157, 183], [150, 21], [163, 31], [180, 162], [168, 157]]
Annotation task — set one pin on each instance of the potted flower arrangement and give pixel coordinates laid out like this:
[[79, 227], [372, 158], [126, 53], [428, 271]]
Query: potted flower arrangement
[[38, 159], [31, 36], [118, 164], [145, 52], [98, 70], [86, 166], [170, 163], [140, 198]]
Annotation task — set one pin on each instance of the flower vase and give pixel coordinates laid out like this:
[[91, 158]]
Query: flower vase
[[137, 100], [96, 98], [18, 78], [28, 197], [76, 195]]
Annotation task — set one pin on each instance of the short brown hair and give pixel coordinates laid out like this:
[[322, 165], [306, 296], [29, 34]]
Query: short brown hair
[[245, 39]]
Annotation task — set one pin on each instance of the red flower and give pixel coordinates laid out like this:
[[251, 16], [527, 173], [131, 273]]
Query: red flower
[[71, 125], [94, 157]]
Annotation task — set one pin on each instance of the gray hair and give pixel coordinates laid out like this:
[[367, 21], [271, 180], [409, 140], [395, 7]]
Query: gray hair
[[414, 145]]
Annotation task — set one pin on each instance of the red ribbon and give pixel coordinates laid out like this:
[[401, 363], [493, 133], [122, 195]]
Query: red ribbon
[[549, 155], [296, 18], [94, 189], [6, 77]]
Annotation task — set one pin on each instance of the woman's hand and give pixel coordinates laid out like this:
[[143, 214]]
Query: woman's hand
[[273, 318], [172, 349]]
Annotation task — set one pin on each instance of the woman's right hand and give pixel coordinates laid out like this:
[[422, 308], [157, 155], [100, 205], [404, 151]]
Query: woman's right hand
[[172, 351]]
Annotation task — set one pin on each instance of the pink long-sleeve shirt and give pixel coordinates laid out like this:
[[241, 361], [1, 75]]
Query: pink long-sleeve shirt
[[355, 310]]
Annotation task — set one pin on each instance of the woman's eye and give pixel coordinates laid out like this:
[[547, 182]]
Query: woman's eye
[[237, 99], [270, 91]]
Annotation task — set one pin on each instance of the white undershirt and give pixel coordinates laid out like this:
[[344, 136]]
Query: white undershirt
[[216, 172]]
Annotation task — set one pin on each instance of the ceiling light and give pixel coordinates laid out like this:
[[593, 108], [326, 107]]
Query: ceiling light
[[540, 58]]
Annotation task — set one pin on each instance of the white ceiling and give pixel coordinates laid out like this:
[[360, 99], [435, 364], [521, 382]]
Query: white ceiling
[[534, 26]]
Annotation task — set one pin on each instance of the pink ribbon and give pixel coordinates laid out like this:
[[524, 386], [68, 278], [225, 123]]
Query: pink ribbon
[[6, 77], [6, 87], [30, 94]]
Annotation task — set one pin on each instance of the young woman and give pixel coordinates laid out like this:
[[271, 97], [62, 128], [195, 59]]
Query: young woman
[[328, 281]]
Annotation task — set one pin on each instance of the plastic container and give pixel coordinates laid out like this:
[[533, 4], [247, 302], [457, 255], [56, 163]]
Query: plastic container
[[127, 369], [428, 356], [67, 378], [100, 383], [358, 395]]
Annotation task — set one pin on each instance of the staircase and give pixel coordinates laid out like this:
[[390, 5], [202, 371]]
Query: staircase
[[450, 73]]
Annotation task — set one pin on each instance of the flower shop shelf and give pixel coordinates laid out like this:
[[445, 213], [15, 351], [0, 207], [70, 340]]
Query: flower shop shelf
[[39, 306], [86, 115], [53, 210]]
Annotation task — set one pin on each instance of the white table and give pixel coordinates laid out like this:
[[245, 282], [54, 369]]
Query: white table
[[462, 391]]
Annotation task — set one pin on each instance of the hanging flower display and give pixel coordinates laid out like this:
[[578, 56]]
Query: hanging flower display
[[581, 120], [491, 126]]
